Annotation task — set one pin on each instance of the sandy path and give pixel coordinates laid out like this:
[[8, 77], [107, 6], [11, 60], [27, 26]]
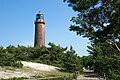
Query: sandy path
[[89, 75]]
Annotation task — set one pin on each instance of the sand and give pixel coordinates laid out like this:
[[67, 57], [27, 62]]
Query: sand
[[39, 66]]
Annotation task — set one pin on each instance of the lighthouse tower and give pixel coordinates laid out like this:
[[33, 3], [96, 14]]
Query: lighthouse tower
[[39, 30]]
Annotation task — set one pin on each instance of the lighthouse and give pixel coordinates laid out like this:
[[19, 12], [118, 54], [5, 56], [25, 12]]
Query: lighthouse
[[39, 30]]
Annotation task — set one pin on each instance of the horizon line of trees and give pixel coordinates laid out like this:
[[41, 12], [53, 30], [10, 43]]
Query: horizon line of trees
[[54, 55]]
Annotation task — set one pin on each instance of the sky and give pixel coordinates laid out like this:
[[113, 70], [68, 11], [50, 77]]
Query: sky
[[17, 24]]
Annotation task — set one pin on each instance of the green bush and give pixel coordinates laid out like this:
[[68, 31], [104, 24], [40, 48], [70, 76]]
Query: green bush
[[113, 75]]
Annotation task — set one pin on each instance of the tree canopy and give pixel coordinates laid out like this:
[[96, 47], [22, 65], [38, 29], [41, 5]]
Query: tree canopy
[[97, 20]]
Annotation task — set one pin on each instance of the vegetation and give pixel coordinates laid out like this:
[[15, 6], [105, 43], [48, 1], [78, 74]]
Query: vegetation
[[54, 55], [7, 59], [15, 79], [60, 78], [99, 21], [34, 74], [87, 61]]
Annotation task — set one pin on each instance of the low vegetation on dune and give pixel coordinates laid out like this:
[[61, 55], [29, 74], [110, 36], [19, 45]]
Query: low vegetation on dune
[[11, 73]]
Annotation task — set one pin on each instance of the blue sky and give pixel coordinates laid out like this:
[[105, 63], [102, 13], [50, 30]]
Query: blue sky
[[17, 23]]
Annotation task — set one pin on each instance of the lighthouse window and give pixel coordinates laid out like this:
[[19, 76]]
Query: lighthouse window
[[42, 16], [37, 17]]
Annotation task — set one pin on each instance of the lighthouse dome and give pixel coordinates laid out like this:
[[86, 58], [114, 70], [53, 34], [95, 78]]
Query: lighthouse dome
[[39, 16]]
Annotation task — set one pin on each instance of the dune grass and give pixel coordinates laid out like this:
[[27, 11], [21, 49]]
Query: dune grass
[[36, 74]]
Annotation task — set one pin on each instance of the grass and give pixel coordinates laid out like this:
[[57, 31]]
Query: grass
[[36, 74]]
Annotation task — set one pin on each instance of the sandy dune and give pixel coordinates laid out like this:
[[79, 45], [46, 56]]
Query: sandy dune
[[39, 66]]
